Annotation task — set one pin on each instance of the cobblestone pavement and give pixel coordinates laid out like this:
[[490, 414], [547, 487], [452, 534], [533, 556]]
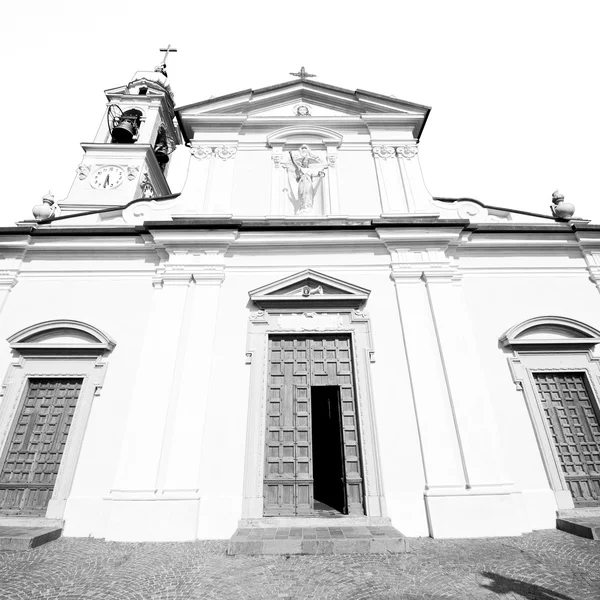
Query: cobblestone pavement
[[548, 565]]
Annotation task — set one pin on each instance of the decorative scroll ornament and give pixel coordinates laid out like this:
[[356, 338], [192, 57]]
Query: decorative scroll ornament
[[83, 171], [360, 314], [259, 314], [332, 160], [147, 187], [132, 173], [307, 291], [407, 152], [201, 152], [277, 158], [225, 152], [384, 152]]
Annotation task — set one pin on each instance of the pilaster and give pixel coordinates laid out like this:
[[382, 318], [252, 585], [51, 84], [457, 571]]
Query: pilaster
[[467, 489], [161, 452], [441, 452], [276, 179], [194, 194], [332, 178], [218, 194]]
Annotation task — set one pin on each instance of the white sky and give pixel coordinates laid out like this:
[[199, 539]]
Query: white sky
[[513, 85]]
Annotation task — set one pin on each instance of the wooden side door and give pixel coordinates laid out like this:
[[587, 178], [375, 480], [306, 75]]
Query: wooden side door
[[572, 418], [36, 444]]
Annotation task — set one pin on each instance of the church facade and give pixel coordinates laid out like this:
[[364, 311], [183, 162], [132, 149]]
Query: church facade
[[302, 333]]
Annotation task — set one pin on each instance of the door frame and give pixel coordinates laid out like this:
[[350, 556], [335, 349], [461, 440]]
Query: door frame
[[551, 345], [348, 321], [54, 350]]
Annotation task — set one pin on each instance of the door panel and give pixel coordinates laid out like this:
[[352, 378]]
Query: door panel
[[333, 366], [33, 453], [572, 418]]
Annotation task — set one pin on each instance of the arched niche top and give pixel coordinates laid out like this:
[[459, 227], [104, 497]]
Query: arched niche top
[[61, 336], [304, 134], [550, 331]]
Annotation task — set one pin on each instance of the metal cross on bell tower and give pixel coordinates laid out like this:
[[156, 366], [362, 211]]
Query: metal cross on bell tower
[[162, 68], [302, 74]]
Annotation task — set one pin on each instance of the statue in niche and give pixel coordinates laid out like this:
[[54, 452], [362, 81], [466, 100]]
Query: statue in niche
[[308, 171]]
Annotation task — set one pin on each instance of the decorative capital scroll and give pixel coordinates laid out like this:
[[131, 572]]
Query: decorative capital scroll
[[331, 160], [225, 152], [407, 152], [83, 171], [201, 152], [258, 315], [277, 158], [132, 173], [384, 152]]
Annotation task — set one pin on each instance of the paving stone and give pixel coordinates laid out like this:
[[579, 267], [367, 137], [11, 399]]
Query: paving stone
[[545, 565]]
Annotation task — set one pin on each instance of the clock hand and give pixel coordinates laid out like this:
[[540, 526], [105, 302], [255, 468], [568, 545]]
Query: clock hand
[[106, 181]]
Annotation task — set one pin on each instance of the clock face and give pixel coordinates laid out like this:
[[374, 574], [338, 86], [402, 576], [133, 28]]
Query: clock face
[[107, 178]]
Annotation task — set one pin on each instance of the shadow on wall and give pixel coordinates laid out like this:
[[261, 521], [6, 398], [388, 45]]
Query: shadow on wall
[[505, 585]]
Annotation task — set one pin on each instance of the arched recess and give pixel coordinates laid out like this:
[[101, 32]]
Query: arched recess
[[63, 361], [553, 352], [322, 141]]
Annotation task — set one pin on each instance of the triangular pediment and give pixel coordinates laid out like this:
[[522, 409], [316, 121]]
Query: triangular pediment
[[321, 96], [309, 289]]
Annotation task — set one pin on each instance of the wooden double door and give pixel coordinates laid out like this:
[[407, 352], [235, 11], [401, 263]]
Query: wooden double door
[[572, 417], [312, 452], [31, 459]]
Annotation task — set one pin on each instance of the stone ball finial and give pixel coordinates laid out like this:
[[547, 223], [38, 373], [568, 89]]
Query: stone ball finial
[[560, 208], [46, 209]]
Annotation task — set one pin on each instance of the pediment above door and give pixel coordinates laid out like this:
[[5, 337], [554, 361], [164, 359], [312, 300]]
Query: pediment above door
[[309, 290]]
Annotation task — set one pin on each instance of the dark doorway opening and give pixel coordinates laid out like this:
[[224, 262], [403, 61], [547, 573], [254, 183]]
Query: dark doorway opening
[[327, 450]]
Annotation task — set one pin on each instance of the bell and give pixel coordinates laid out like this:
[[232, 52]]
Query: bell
[[124, 132], [161, 155]]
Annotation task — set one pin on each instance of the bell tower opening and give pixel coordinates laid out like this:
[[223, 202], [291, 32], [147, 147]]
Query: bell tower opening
[[327, 450]]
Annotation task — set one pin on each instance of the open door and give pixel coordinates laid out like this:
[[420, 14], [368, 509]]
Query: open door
[[327, 450]]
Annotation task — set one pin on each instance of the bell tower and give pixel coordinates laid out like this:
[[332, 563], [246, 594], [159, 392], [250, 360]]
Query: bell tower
[[129, 156]]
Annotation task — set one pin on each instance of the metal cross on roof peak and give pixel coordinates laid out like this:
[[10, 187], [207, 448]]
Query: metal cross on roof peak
[[302, 74], [162, 68]]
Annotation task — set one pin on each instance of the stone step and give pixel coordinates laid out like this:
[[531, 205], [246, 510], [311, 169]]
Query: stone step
[[312, 521], [579, 513], [318, 540], [30, 522], [18, 537], [586, 527]]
